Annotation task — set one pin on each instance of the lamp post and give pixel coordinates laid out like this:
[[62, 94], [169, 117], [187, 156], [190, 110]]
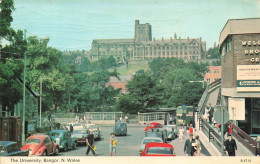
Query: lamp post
[[198, 82], [24, 75], [41, 98]]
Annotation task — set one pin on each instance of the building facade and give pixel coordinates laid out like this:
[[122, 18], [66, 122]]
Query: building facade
[[240, 78], [143, 47], [213, 74]]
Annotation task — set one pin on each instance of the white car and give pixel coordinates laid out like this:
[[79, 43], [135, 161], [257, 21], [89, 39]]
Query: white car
[[75, 126], [149, 140]]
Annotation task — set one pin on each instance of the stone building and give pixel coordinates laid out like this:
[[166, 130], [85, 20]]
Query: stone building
[[143, 47], [240, 72]]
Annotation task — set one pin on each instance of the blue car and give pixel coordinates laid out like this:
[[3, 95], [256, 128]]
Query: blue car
[[120, 128]]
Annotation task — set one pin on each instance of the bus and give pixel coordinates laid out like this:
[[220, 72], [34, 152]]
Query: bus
[[184, 115]]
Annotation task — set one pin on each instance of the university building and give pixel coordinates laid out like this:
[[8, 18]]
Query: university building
[[240, 73], [144, 47]]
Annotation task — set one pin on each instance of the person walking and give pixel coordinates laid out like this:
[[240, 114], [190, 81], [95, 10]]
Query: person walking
[[181, 133], [71, 128], [90, 143], [204, 113], [231, 146], [211, 112], [197, 147], [188, 147], [191, 129], [113, 142]]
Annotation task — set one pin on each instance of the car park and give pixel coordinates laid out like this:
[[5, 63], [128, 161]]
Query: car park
[[120, 128], [171, 131], [157, 132], [40, 145], [63, 139], [149, 140], [80, 136], [158, 149], [11, 148], [153, 125]]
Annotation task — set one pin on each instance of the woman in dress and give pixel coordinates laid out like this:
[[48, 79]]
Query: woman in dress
[[181, 133]]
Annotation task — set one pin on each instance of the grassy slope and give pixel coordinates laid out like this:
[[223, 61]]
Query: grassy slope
[[132, 68]]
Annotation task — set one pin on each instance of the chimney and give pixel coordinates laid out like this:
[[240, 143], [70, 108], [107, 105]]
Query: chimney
[[175, 36], [162, 38]]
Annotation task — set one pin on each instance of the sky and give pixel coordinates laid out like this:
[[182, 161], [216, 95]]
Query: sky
[[73, 24]]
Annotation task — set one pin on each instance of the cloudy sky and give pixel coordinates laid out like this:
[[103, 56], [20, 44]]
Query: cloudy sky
[[73, 24]]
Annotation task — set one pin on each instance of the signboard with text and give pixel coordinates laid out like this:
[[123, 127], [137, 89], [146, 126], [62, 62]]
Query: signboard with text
[[248, 78]]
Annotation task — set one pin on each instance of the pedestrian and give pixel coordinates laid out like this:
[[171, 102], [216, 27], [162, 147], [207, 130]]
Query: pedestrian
[[113, 142], [71, 128], [165, 120], [197, 146], [173, 121], [187, 129], [170, 120], [191, 129], [126, 119], [181, 133], [188, 148], [211, 112], [121, 118], [231, 146], [90, 143], [204, 113]]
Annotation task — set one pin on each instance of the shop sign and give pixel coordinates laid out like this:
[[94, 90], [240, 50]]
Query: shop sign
[[248, 78]]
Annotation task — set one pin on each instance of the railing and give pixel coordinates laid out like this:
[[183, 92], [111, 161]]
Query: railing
[[240, 135], [212, 134]]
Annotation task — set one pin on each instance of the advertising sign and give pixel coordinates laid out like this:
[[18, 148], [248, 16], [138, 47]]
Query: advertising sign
[[236, 108], [248, 78]]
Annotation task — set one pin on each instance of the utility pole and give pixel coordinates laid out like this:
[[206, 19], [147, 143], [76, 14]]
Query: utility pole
[[24, 82]]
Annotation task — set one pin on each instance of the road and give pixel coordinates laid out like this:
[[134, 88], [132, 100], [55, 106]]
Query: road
[[127, 145]]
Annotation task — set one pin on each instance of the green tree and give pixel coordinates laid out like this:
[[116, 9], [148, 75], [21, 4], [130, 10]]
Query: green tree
[[214, 53]]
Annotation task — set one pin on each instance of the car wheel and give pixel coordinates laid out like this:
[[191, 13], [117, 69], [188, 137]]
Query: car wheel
[[44, 153], [57, 151], [65, 148], [75, 145]]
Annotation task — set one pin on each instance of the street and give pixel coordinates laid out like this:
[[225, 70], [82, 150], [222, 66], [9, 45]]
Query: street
[[127, 145]]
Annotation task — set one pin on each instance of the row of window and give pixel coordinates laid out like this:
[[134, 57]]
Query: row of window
[[214, 71], [208, 80], [150, 47]]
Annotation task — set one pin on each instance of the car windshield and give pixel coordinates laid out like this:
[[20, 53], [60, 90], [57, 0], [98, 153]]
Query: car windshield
[[154, 134], [168, 129], [95, 132], [120, 125], [77, 125], [56, 134], [150, 125], [92, 127], [33, 141], [151, 140], [79, 132], [159, 150]]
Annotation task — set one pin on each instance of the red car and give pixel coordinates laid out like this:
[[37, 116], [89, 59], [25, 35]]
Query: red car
[[40, 145], [153, 125], [158, 149]]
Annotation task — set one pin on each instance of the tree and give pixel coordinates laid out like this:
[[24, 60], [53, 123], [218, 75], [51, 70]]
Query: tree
[[11, 55], [214, 53], [143, 93]]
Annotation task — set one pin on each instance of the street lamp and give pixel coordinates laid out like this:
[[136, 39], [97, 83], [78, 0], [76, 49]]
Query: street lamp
[[198, 82], [41, 98]]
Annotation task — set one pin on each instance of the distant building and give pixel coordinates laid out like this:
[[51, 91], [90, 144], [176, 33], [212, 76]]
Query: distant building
[[213, 74], [119, 83], [143, 47]]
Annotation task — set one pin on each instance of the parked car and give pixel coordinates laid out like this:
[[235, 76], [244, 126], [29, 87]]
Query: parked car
[[171, 131], [149, 140], [153, 125], [120, 128], [255, 137], [40, 145], [80, 136], [63, 139], [158, 149], [11, 148], [75, 126], [96, 131], [157, 132]]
